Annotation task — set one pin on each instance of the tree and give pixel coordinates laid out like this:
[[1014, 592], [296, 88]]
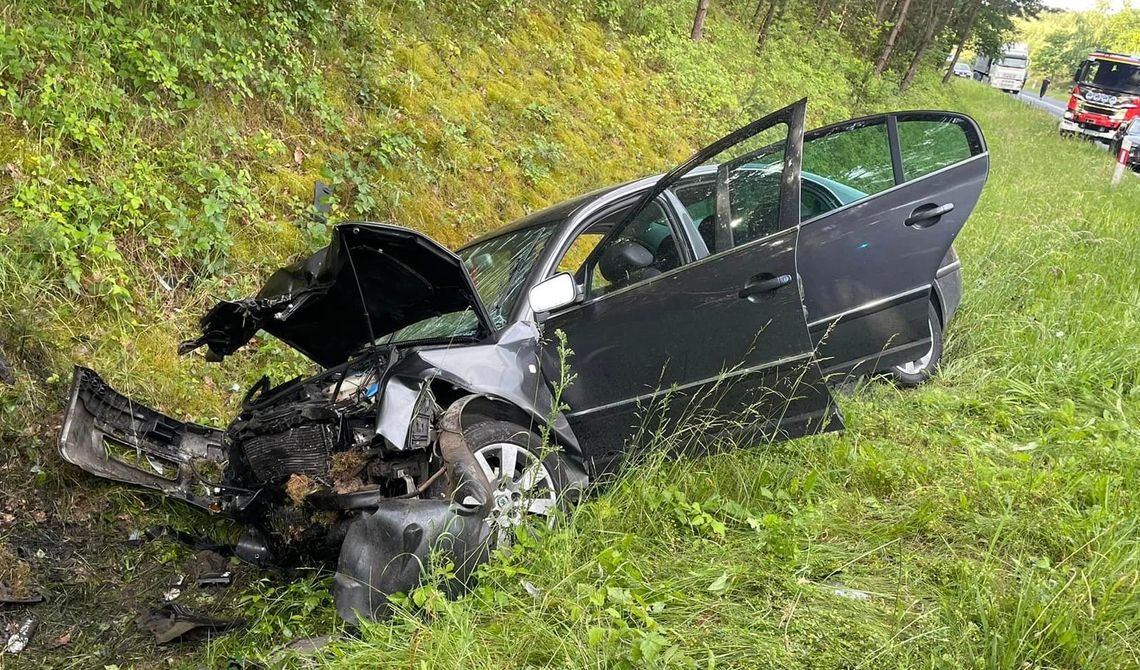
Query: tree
[[699, 20], [933, 29], [774, 11], [756, 12], [881, 8], [963, 35], [989, 25], [900, 21], [822, 11]]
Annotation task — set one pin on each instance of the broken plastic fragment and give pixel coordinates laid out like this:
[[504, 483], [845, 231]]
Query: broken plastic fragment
[[171, 622], [19, 640], [175, 589], [224, 578], [851, 594]]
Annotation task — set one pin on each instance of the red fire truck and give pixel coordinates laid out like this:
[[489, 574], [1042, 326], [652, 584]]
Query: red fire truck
[[1106, 94]]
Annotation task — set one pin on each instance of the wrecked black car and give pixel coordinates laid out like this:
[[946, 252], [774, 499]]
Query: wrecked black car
[[714, 302]]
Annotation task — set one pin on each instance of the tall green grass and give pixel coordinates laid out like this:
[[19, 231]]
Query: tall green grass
[[987, 520]]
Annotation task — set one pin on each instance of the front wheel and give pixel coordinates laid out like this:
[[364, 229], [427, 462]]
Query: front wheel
[[918, 371], [528, 482]]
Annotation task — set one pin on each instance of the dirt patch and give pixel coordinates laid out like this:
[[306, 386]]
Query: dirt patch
[[347, 467], [82, 544], [15, 577], [300, 487]]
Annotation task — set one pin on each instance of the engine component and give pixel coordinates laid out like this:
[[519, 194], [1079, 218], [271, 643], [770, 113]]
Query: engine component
[[302, 450]]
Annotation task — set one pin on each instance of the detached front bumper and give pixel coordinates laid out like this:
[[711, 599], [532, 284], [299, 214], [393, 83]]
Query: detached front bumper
[[112, 436]]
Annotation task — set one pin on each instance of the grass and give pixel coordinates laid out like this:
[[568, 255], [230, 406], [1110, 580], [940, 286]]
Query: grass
[[989, 517]]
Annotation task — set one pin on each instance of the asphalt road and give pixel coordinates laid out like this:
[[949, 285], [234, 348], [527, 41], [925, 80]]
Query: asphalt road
[[1048, 104]]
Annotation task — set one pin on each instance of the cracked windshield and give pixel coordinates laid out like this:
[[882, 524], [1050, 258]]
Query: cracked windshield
[[498, 267]]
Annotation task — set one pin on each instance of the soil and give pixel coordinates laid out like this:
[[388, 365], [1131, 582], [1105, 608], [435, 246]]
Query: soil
[[68, 537]]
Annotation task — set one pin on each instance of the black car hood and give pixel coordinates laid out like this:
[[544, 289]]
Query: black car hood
[[317, 306]]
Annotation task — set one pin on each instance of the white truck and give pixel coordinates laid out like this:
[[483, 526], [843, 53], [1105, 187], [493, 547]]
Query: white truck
[[1008, 71]]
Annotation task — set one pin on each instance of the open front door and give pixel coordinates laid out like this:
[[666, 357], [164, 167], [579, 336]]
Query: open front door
[[713, 346]]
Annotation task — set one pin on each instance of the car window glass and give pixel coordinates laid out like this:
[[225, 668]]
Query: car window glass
[[575, 257], [644, 248], [500, 266], [845, 166], [749, 176], [929, 146], [838, 169]]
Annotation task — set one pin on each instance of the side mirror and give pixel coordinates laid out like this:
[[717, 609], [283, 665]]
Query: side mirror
[[553, 293]]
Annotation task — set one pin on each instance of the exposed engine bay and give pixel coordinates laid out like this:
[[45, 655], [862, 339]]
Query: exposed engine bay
[[305, 466], [325, 430]]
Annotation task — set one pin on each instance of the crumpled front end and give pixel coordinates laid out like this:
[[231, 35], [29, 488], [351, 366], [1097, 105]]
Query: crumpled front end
[[315, 471]]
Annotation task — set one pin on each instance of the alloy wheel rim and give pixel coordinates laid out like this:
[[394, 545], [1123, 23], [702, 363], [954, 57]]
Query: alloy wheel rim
[[521, 486]]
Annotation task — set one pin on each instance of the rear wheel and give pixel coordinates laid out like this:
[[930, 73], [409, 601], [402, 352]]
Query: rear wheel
[[923, 368], [526, 483]]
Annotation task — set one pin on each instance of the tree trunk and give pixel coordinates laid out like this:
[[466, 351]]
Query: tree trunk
[[933, 28], [900, 21], [756, 12], [965, 35], [773, 10], [699, 21], [881, 10], [843, 16], [822, 11]]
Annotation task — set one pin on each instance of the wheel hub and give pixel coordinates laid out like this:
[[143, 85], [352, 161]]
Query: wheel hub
[[521, 487]]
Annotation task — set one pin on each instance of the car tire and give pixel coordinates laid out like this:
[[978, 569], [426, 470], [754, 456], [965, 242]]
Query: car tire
[[542, 494], [909, 375]]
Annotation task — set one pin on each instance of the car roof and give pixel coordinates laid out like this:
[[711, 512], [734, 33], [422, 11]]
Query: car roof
[[553, 214]]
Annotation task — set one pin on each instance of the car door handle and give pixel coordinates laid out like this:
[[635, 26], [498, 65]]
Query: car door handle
[[928, 215], [763, 283]]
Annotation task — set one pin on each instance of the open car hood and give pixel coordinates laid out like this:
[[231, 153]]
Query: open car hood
[[318, 306]]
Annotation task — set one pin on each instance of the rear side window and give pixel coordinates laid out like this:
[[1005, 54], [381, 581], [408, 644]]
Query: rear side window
[[853, 163], [929, 146]]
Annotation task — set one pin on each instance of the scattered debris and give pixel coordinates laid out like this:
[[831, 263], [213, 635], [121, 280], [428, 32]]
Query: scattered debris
[[64, 639], [171, 622], [346, 469], [253, 548], [26, 597], [851, 594], [136, 538], [15, 581], [19, 640], [300, 487], [224, 578], [308, 645], [531, 589], [175, 589]]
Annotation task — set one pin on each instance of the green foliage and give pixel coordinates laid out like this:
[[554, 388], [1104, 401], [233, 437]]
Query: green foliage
[[1060, 41]]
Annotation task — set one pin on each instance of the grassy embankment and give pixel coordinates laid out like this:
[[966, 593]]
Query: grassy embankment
[[988, 516]]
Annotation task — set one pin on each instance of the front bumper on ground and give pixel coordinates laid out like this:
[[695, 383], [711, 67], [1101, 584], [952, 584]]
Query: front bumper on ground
[[1073, 127]]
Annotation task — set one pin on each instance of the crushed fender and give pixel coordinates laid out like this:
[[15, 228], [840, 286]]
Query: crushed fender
[[385, 552]]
